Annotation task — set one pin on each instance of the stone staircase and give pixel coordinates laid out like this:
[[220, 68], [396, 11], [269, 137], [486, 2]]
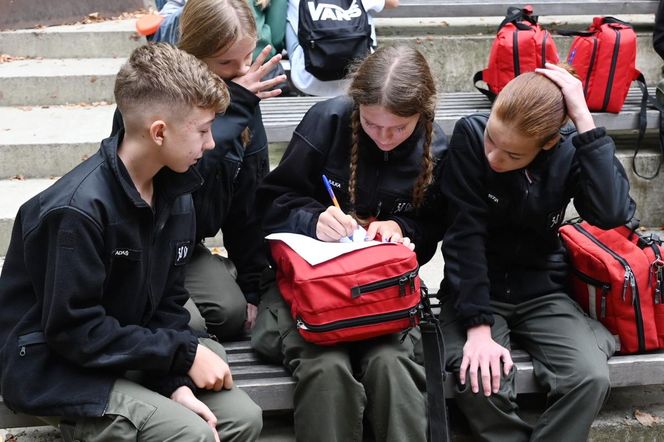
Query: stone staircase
[[56, 104]]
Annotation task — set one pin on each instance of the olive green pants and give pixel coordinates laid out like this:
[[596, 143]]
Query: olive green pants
[[135, 413], [338, 387], [569, 354], [217, 304]]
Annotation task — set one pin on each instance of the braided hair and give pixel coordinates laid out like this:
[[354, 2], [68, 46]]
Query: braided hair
[[398, 79]]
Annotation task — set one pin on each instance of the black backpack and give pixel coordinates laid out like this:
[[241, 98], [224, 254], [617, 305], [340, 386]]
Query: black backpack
[[332, 33]]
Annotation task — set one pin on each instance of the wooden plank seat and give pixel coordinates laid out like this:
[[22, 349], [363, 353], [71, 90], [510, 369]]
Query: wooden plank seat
[[487, 8], [282, 114], [271, 386]]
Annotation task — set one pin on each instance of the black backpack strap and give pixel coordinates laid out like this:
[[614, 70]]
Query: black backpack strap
[[434, 367], [516, 15], [479, 76], [643, 123]]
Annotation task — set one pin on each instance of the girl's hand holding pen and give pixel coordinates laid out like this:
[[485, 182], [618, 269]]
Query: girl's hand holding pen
[[334, 224]]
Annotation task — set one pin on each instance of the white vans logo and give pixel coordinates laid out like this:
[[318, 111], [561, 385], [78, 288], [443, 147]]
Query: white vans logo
[[327, 11], [121, 253], [493, 198]]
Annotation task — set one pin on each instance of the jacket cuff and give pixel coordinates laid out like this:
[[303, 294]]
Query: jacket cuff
[[183, 363], [252, 297], [167, 385], [585, 138], [481, 319]]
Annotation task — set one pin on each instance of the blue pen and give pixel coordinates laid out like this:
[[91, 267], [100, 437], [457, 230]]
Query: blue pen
[[328, 186]]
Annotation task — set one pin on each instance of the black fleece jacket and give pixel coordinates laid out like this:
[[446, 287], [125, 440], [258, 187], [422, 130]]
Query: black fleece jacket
[[92, 286], [231, 173], [293, 196], [502, 242]]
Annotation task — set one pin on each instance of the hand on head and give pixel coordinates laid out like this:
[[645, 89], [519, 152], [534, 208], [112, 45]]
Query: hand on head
[[334, 224], [572, 90], [258, 69], [209, 371]]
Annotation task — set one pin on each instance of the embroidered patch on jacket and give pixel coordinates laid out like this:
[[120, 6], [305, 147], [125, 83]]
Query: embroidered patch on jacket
[[555, 219], [130, 254], [182, 252]]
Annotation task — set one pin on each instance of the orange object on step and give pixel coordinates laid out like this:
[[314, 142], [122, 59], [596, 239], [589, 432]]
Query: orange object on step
[[148, 24]]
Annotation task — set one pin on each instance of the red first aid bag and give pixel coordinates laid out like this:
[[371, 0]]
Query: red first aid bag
[[618, 278], [521, 45], [604, 57], [358, 295]]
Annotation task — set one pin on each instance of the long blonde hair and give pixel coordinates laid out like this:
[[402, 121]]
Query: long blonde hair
[[534, 105], [211, 26], [208, 27], [398, 79]]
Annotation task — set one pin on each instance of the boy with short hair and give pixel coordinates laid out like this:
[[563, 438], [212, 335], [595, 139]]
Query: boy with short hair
[[92, 324]]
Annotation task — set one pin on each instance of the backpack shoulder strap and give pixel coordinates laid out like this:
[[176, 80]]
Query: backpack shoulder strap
[[434, 367], [646, 99], [479, 76]]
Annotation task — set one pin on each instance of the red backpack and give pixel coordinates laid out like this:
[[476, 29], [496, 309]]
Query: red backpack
[[355, 296], [521, 45], [604, 57], [618, 279]]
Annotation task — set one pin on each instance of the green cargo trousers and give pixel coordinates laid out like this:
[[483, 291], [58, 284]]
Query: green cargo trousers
[[569, 354], [216, 302], [337, 387], [135, 413]]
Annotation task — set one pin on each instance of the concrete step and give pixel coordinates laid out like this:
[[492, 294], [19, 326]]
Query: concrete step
[[44, 141], [58, 81], [113, 38]]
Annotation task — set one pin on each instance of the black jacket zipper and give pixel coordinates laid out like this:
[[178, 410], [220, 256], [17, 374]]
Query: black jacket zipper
[[361, 321], [605, 286], [614, 62], [629, 281], [29, 339], [407, 279]]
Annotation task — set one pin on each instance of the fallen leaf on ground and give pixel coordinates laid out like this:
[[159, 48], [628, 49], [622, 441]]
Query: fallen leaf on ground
[[646, 419]]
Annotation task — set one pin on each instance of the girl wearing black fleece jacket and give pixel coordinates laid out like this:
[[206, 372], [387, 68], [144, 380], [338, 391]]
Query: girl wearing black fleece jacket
[[380, 148], [508, 179]]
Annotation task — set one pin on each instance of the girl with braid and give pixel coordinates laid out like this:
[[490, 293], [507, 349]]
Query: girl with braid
[[381, 149]]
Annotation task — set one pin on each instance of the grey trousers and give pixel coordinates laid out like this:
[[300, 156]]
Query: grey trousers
[[217, 304], [338, 387], [135, 413], [569, 353]]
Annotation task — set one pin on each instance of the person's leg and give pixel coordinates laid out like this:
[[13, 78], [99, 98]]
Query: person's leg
[[395, 387], [196, 320], [569, 352], [210, 280], [239, 419], [492, 418], [329, 402], [135, 413], [266, 335]]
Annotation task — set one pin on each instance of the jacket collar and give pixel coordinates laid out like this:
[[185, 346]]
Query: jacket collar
[[167, 183]]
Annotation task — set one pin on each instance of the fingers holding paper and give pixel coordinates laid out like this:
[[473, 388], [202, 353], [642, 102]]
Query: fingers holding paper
[[388, 231], [334, 224]]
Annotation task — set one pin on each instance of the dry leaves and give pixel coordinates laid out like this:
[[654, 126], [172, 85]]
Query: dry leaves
[[646, 419], [6, 58]]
